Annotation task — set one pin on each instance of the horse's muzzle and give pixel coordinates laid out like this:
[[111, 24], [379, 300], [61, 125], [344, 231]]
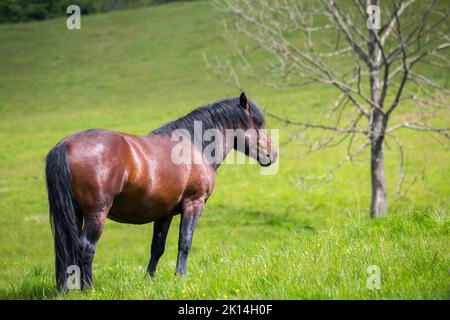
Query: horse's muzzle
[[268, 159]]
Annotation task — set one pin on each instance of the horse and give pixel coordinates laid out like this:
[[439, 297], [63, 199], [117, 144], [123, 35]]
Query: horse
[[96, 174]]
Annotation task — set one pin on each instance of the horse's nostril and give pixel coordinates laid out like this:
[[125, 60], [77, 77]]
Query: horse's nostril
[[268, 155]]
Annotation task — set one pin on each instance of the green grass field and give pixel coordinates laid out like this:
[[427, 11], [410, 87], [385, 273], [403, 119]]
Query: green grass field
[[260, 237]]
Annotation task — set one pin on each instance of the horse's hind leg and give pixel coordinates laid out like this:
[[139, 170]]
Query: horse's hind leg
[[160, 230], [92, 230]]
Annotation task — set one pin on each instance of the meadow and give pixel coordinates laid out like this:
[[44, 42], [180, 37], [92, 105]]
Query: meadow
[[260, 237]]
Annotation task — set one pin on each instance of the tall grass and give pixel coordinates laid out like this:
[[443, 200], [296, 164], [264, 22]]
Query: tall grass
[[259, 237]]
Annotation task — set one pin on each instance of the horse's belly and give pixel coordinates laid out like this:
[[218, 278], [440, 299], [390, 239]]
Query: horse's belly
[[143, 208]]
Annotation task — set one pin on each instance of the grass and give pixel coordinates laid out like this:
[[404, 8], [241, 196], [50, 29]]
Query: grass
[[301, 263], [260, 237]]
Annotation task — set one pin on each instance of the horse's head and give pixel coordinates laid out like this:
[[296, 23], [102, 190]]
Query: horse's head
[[254, 139]]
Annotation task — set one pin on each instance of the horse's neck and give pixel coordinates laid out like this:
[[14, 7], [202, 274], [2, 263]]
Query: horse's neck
[[221, 148]]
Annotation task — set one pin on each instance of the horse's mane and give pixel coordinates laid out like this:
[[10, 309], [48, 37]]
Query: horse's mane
[[222, 114]]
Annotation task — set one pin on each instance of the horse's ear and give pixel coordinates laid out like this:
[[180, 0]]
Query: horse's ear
[[243, 101]]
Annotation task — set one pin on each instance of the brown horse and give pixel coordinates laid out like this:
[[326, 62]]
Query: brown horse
[[97, 174]]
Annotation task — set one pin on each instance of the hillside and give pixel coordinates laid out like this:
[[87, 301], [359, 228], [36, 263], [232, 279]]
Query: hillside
[[260, 236]]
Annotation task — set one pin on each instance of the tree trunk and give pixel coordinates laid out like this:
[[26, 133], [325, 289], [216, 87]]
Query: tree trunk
[[378, 122], [378, 204]]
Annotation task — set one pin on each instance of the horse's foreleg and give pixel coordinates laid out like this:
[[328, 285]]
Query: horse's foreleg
[[189, 218], [160, 230], [92, 230]]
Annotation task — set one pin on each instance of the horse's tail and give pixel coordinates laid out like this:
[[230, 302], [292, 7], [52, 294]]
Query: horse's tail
[[63, 215]]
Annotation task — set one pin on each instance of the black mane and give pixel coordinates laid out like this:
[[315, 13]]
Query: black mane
[[223, 114]]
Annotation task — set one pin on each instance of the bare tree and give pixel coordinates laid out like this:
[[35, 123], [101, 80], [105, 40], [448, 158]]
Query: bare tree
[[374, 69]]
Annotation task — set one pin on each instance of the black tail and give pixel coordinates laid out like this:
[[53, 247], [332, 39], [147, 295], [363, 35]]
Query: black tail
[[63, 214]]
